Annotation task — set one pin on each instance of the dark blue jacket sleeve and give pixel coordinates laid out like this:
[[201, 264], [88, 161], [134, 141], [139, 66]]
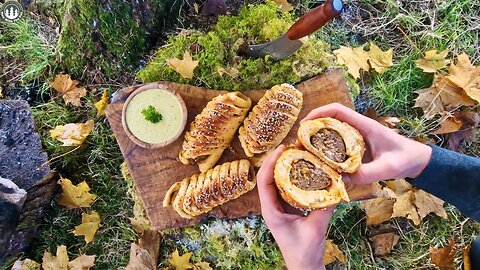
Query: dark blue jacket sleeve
[[454, 178]]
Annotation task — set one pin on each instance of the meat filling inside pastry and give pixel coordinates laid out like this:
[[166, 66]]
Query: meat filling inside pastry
[[336, 143], [307, 183]]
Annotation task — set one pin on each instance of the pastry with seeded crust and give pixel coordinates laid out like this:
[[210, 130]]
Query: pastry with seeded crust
[[270, 120], [212, 130]]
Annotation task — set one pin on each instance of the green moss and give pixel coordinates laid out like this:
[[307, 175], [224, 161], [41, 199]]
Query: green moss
[[110, 37], [221, 64]]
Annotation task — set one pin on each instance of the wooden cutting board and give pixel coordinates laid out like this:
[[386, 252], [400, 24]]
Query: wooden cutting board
[[155, 170]]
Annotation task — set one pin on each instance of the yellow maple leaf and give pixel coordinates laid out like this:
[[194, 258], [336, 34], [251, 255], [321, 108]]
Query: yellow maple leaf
[[427, 203], [332, 253], [404, 207], [184, 67], [378, 210], [102, 104], [466, 76], [448, 124], [433, 61], [72, 134], [26, 264], [64, 85], [144, 254], [440, 97], [59, 262], [181, 262], [89, 226], [75, 196], [283, 5], [354, 59], [83, 262], [378, 59]]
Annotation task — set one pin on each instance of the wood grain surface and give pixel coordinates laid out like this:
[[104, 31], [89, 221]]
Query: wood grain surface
[[155, 170]]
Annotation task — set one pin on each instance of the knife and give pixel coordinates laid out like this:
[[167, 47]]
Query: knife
[[288, 43]]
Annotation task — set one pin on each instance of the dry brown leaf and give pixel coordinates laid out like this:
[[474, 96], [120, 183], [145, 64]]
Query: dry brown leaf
[[427, 203], [181, 262], [102, 104], [404, 207], [59, 262], [72, 134], [448, 124], [467, 263], [202, 266], [283, 5], [26, 264], [75, 196], [440, 97], [64, 85], [354, 59], [89, 226], [433, 61], [466, 76], [443, 257], [144, 255], [378, 210], [384, 243], [184, 67], [83, 262], [332, 253], [380, 60], [399, 186], [388, 121], [468, 132]]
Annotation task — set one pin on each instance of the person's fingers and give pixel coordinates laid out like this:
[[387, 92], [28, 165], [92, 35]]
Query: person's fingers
[[267, 189], [319, 219], [377, 170], [335, 110]]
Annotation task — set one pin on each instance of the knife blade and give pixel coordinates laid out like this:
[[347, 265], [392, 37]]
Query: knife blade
[[289, 42]]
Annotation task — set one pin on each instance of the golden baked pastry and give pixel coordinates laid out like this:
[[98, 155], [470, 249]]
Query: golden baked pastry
[[336, 143], [307, 183], [200, 193], [213, 129], [270, 120]]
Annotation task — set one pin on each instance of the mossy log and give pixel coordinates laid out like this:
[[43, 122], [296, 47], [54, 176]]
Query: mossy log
[[108, 36]]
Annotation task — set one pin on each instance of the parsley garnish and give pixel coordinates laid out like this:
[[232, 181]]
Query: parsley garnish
[[152, 115]]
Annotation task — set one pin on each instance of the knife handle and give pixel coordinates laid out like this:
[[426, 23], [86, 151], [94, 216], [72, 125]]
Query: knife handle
[[314, 19]]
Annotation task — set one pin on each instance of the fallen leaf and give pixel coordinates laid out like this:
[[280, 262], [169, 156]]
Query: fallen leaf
[[59, 262], [433, 61], [64, 85], [72, 134], [388, 121], [332, 253], [466, 76], [448, 124], [83, 262], [443, 257], [384, 243], [102, 104], [427, 203], [184, 67], [468, 132], [404, 207], [196, 7], [181, 262], [380, 60], [378, 210], [26, 264], [283, 5], [1, 92], [89, 226], [202, 266], [440, 97], [467, 263], [144, 255], [214, 7], [354, 59], [75, 196]]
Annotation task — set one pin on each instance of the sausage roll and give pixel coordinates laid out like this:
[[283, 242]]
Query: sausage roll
[[305, 182], [212, 130], [200, 193], [336, 143], [270, 120]]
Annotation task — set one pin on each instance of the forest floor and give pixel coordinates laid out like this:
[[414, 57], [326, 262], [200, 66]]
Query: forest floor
[[409, 27]]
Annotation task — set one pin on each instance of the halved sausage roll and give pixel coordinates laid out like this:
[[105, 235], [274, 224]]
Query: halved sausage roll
[[336, 143], [307, 183], [212, 130]]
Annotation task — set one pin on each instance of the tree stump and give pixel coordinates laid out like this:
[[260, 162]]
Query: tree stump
[[23, 162]]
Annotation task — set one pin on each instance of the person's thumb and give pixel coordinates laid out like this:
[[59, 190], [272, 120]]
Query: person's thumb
[[372, 172]]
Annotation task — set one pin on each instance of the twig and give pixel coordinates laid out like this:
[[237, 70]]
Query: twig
[[408, 38], [62, 155]]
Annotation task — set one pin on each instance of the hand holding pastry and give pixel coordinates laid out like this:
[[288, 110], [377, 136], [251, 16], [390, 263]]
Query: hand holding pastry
[[388, 154], [301, 238]]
